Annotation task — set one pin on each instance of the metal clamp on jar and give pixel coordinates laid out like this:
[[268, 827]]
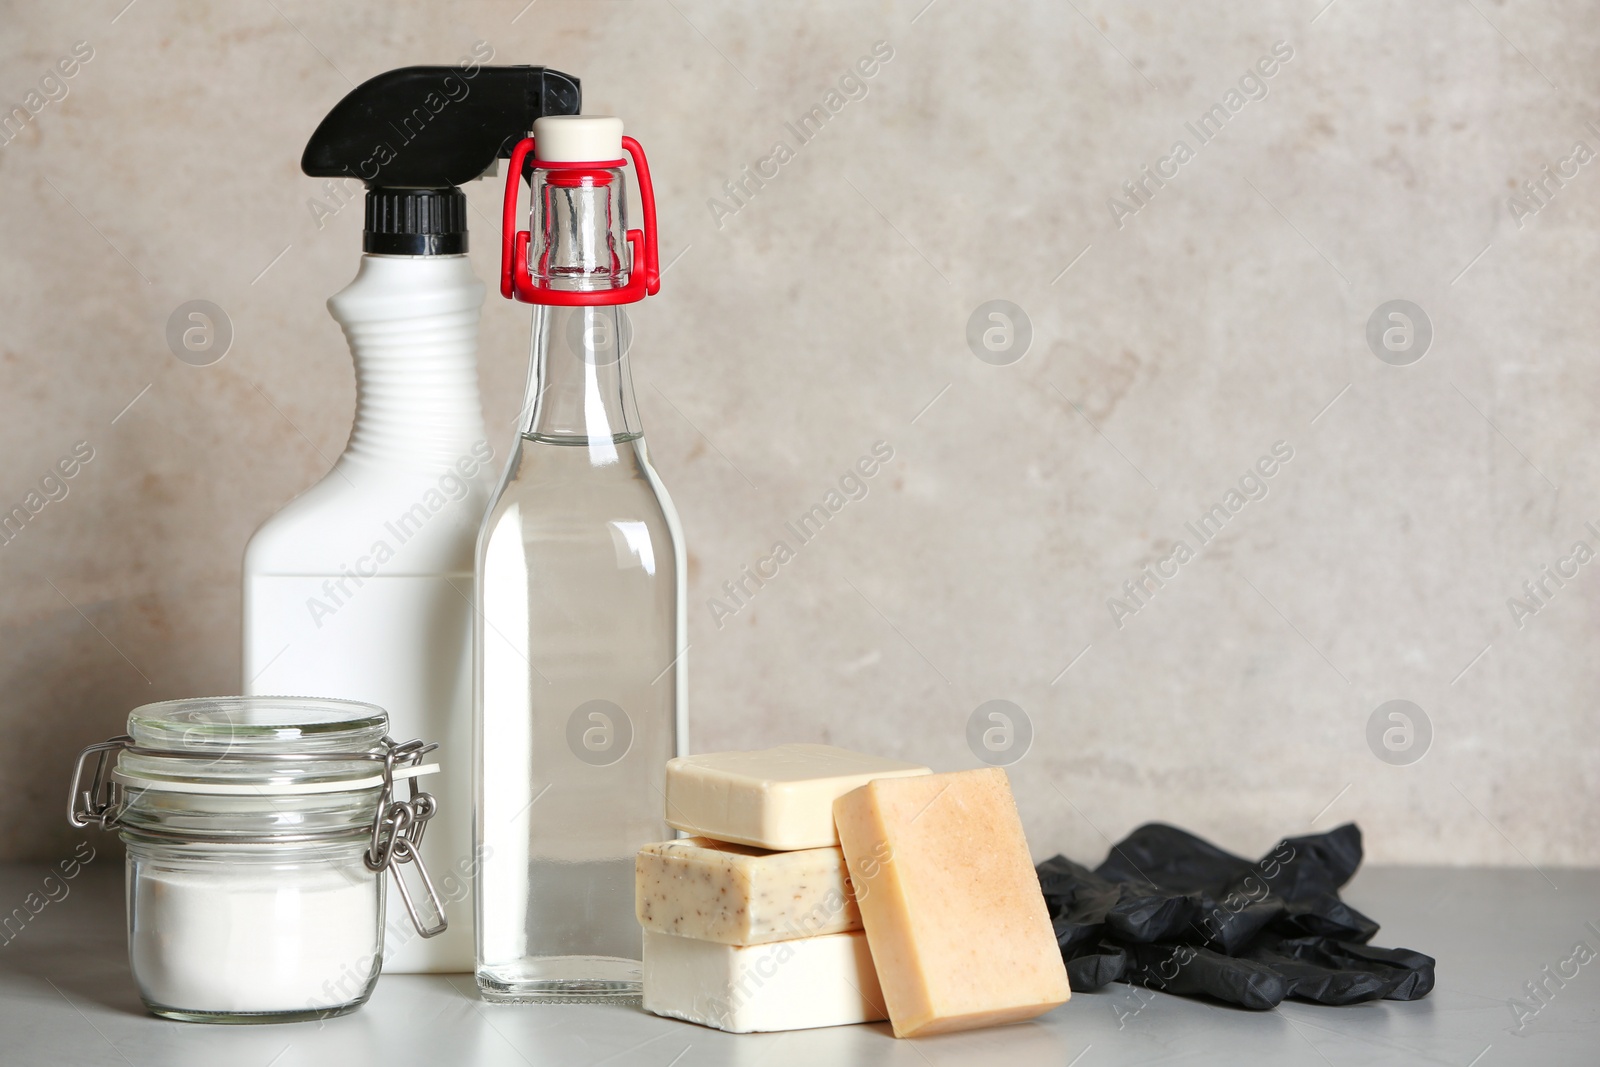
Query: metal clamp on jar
[[258, 830]]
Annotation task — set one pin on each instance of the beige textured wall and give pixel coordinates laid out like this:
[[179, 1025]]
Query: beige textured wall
[[1171, 348]]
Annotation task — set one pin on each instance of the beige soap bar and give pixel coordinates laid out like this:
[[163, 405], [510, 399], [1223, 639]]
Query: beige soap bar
[[776, 798], [738, 895], [950, 902]]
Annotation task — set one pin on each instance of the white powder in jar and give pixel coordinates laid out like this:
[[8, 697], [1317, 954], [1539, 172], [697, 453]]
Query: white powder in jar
[[255, 937]]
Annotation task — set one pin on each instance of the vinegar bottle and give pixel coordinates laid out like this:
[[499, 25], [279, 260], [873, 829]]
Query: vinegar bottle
[[580, 684]]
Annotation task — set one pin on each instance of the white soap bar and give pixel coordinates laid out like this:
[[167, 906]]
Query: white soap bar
[[777, 798], [738, 895], [785, 985]]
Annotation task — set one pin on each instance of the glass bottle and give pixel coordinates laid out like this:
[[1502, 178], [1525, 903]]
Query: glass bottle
[[580, 684]]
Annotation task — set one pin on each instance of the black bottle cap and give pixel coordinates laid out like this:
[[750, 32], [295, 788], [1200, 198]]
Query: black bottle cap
[[415, 134], [416, 222]]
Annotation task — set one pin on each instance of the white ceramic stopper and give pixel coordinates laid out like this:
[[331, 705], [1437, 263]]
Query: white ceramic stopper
[[577, 138]]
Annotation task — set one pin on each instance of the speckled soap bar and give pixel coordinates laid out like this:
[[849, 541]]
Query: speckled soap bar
[[738, 895]]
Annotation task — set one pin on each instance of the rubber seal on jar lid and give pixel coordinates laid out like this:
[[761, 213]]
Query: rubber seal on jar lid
[[264, 789]]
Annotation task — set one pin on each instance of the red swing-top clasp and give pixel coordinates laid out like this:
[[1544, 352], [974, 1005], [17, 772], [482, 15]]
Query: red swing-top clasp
[[644, 272]]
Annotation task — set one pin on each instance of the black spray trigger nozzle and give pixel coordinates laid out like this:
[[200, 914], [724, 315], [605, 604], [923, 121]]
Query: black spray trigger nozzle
[[414, 135]]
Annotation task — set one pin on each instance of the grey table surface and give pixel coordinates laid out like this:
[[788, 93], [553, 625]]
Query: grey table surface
[[66, 997]]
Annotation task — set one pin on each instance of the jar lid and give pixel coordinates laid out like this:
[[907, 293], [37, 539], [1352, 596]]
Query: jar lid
[[259, 724], [262, 746], [247, 767]]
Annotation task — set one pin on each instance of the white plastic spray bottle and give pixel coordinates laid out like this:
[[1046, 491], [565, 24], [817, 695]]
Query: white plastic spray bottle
[[361, 587]]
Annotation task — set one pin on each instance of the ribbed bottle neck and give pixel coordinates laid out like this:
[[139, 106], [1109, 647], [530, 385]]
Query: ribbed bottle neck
[[412, 326]]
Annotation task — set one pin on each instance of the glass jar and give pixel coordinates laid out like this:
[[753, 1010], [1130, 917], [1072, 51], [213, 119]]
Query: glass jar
[[257, 833]]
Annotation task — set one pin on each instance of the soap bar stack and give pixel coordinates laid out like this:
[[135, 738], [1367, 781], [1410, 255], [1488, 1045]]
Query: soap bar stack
[[827, 887], [751, 924]]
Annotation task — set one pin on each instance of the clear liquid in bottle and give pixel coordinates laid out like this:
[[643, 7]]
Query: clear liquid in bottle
[[580, 675]]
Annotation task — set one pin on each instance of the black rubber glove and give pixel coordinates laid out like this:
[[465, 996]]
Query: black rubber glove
[[1170, 911]]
